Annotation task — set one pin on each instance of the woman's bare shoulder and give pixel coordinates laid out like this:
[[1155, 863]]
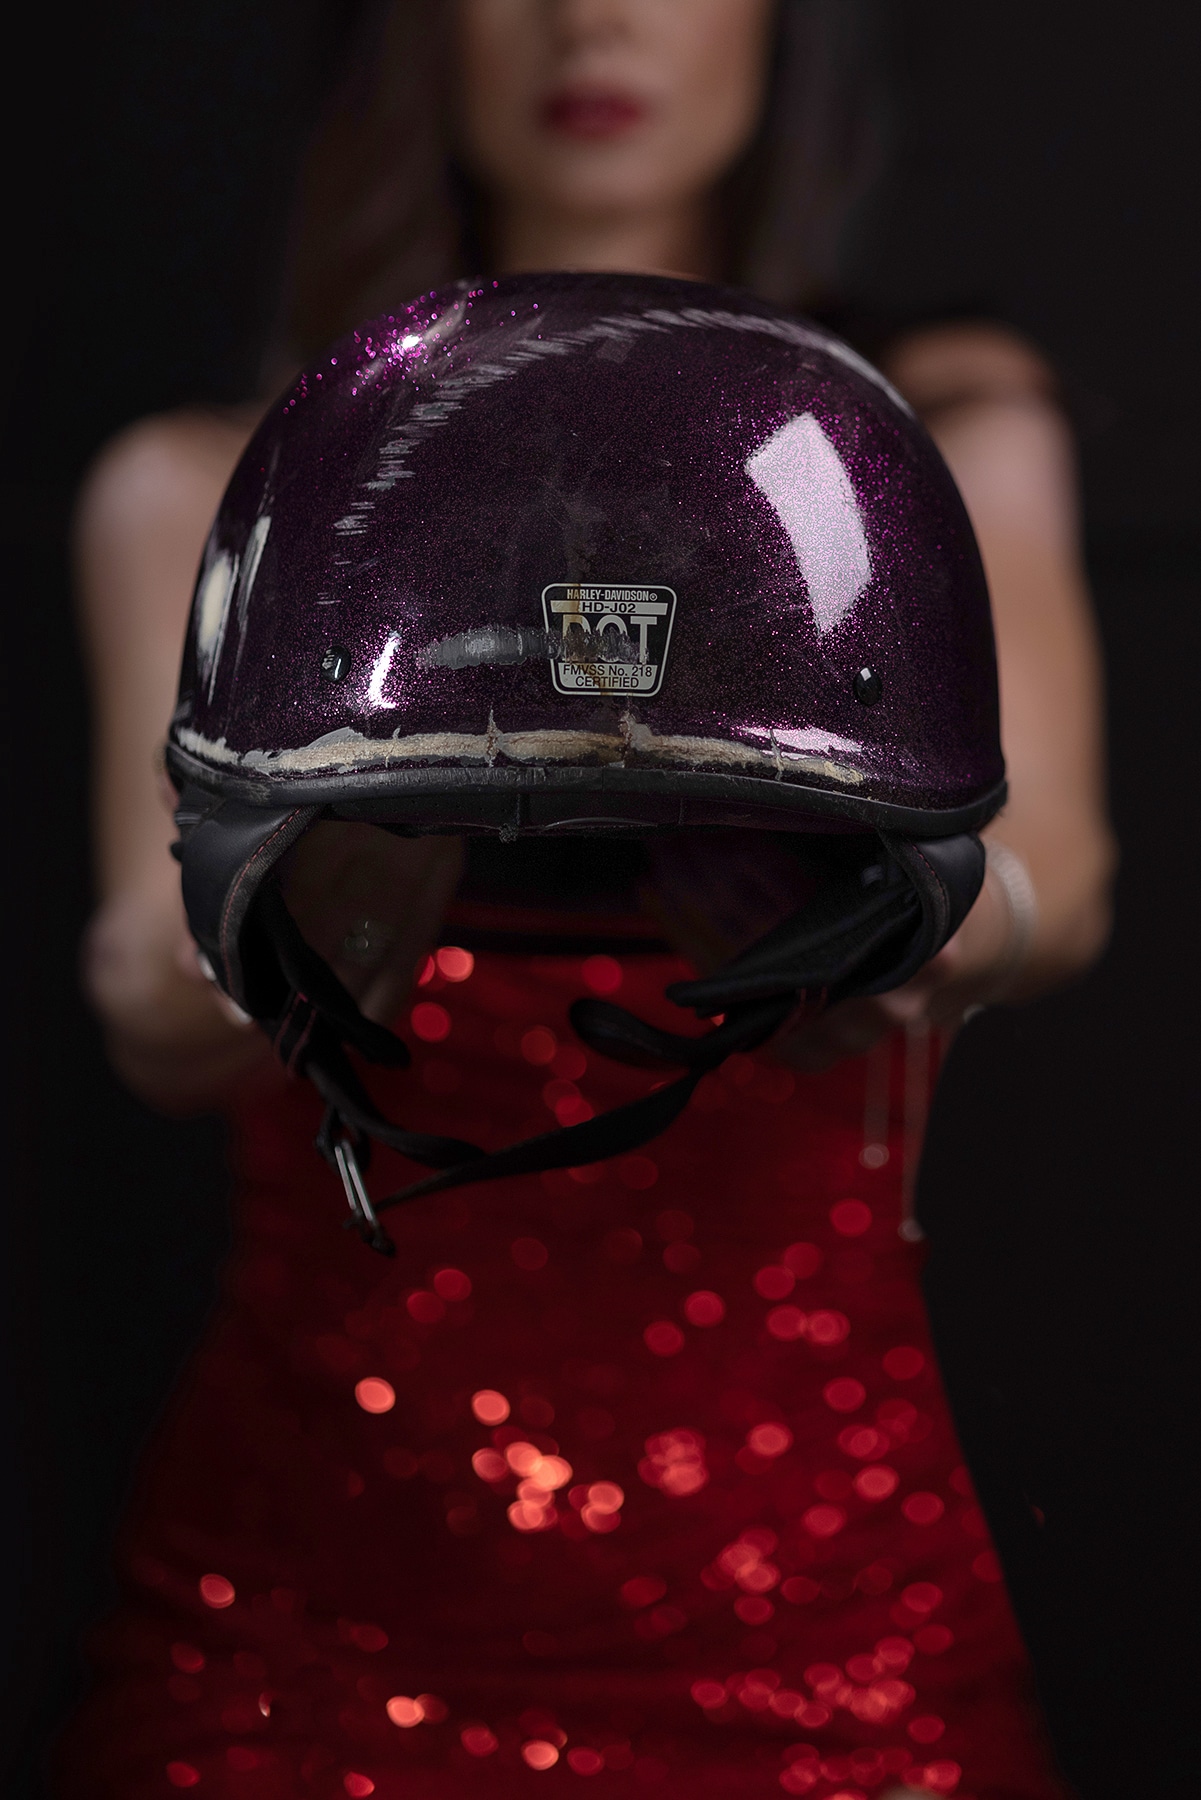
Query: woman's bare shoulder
[[961, 362], [166, 472]]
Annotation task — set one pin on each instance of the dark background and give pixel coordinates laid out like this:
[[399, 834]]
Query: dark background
[[1044, 169]]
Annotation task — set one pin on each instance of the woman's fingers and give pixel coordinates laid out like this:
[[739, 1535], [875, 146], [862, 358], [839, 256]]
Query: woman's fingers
[[962, 974], [371, 904], [846, 1030]]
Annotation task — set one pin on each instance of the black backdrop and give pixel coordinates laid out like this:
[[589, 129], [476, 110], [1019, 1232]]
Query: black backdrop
[[1045, 170]]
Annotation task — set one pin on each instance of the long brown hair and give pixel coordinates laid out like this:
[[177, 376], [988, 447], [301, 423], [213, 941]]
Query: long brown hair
[[383, 211]]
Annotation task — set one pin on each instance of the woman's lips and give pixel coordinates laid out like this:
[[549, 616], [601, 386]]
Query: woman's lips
[[593, 114]]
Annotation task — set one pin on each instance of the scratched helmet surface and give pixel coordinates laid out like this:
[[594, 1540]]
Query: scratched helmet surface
[[597, 555], [579, 548]]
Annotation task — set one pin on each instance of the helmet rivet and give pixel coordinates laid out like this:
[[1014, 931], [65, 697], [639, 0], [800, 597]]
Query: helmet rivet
[[335, 664], [867, 687]]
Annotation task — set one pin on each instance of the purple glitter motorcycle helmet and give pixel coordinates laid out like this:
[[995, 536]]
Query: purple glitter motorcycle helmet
[[587, 554]]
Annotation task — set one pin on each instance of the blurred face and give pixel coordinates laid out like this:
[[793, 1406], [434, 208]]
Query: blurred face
[[598, 108]]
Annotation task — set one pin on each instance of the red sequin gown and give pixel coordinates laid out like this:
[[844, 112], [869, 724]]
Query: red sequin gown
[[637, 1481]]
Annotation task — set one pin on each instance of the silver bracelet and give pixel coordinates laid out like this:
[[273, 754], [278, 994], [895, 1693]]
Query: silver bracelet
[[1022, 901]]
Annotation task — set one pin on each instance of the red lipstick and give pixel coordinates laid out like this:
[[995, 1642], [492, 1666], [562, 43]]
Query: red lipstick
[[592, 114]]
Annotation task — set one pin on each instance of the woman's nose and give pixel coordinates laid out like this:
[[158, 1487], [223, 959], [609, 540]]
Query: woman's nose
[[573, 24]]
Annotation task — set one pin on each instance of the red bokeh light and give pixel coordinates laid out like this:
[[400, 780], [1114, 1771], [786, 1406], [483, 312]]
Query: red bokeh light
[[217, 1591]]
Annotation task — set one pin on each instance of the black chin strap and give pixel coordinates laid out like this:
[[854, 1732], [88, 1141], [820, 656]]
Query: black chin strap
[[318, 1019], [866, 929]]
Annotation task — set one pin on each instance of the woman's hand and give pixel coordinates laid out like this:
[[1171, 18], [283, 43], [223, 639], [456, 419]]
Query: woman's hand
[[974, 967], [172, 1036], [371, 905]]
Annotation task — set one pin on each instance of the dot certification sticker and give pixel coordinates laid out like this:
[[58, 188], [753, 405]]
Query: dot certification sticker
[[607, 638]]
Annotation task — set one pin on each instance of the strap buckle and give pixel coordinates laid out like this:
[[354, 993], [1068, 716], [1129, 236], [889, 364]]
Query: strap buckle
[[363, 1215]]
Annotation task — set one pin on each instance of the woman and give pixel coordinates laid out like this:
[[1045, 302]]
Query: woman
[[314, 1608]]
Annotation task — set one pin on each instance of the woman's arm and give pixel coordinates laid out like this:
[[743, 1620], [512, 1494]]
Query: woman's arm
[[989, 402], [142, 521], [369, 902]]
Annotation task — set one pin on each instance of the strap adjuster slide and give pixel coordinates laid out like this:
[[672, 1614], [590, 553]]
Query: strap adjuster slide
[[363, 1215]]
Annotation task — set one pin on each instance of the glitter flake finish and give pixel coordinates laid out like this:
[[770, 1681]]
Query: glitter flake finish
[[594, 534]]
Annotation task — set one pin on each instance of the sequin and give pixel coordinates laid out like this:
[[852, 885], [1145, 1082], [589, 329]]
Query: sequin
[[704, 1308], [566, 1102], [217, 1591], [539, 1754], [926, 1730], [775, 1282], [943, 1777], [489, 1406], [425, 1307], [786, 1323], [605, 1497], [531, 1515], [374, 1394], [478, 1740], [451, 1284], [358, 1786], [642, 1590], [599, 1519], [922, 1508], [404, 1711], [803, 1260], [877, 1482], [862, 1441], [663, 1338], [549, 1473], [769, 1440], [521, 1457], [538, 1045], [675, 1462], [827, 1327], [903, 1363], [453, 963], [823, 1521], [603, 974], [986, 1566], [847, 1395], [851, 1218], [430, 1022]]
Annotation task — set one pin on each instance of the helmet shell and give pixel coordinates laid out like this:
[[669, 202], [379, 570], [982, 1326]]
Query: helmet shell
[[572, 551]]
